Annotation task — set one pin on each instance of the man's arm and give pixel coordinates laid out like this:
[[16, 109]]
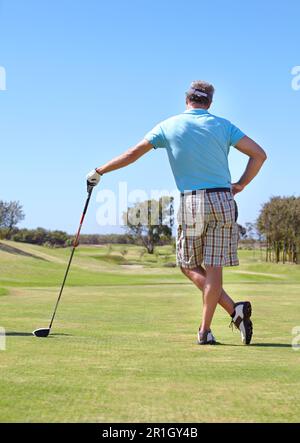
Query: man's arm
[[257, 157], [130, 156]]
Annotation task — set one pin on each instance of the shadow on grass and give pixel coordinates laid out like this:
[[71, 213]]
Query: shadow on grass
[[60, 334], [272, 345], [28, 334], [260, 345], [16, 251], [18, 334]]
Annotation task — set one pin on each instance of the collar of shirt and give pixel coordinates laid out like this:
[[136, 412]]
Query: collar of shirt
[[196, 111]]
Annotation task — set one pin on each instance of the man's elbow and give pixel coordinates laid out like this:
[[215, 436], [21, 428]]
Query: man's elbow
[[261, 156]]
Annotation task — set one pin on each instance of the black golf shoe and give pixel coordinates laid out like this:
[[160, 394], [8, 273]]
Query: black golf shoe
[[241, 320]]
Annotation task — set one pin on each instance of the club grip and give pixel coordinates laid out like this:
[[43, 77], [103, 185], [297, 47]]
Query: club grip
[[89, 187]]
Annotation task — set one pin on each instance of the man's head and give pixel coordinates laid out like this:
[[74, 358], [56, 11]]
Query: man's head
[[199, 95]]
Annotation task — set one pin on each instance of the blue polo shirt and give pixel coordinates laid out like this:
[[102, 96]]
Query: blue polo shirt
[[197, 144]]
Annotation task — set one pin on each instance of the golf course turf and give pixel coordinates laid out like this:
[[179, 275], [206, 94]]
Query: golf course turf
[[123, 345]]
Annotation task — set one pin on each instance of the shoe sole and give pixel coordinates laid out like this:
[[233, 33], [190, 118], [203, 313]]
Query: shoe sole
[[247, 311]]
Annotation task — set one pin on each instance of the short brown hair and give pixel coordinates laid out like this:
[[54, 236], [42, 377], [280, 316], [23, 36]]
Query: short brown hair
[[200, 92]]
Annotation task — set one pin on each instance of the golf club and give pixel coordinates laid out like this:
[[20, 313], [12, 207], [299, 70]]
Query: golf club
[[44, 332]]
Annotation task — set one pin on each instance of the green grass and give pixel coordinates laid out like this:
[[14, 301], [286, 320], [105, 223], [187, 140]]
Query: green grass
[[123, 346]]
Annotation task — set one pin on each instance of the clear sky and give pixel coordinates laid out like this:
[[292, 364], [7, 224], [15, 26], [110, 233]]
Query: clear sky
[[86, 79]]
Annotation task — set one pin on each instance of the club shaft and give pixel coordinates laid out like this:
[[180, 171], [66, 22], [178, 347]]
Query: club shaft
[[75, 244]]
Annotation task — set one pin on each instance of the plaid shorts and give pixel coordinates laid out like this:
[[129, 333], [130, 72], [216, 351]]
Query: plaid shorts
[[207, 230]]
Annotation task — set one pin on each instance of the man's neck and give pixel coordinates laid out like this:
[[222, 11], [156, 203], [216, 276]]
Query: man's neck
[[189, 107]]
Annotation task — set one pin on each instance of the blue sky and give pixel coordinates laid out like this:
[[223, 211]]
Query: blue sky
[[86, 79]]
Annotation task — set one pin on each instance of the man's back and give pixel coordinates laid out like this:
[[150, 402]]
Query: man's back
[[198, 144]]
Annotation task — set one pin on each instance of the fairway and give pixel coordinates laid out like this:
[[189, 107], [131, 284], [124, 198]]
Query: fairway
[[123, 347]]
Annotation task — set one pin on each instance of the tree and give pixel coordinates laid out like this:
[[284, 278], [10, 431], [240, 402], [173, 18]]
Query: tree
[[242, 231], [11, 213], [151, 221], [2, 214], [279, 221], [251, 230]]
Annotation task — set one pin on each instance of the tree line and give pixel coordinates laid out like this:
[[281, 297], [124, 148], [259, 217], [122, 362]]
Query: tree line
[[11, 213], [150, 223], [279, 224]]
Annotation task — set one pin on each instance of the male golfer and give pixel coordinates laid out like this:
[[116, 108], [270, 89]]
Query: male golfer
[[197, 144]]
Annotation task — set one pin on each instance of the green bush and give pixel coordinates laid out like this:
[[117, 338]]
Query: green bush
[[41, 236]]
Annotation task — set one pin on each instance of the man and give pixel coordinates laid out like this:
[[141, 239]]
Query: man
[[197, 144]]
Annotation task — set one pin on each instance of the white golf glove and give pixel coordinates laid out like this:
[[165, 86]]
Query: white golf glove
[[93, 178]]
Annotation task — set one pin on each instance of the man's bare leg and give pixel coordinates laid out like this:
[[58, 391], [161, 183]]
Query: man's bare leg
[[211, 295], [198, 277]]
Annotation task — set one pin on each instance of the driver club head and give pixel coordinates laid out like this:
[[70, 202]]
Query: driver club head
[[41, 332]]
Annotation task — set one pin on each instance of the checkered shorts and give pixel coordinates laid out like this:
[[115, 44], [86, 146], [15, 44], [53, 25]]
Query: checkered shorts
[[207, 230]]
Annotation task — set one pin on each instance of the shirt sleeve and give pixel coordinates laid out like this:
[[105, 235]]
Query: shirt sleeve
[[235, 135], [156, 137]]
